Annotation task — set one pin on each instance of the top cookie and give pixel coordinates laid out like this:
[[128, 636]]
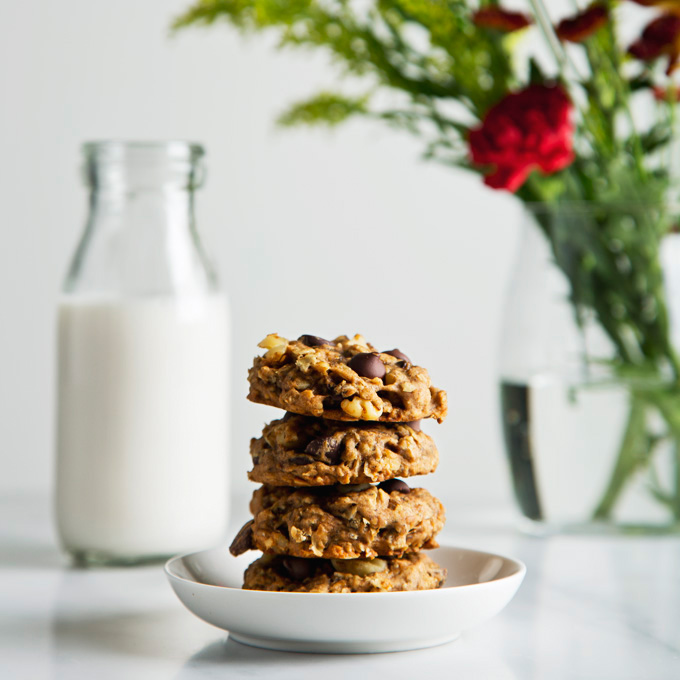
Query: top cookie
[[343, 379]]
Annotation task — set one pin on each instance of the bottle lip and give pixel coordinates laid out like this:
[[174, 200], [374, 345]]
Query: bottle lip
[[175, 149], [121, 165]]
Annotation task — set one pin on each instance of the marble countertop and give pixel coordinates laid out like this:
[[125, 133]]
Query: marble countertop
[[590, 607]]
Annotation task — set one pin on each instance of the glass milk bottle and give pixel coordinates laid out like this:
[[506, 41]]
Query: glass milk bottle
[[143, 333]]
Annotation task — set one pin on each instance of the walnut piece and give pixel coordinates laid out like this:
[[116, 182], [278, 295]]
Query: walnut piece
[[360, 409], [275, 345]]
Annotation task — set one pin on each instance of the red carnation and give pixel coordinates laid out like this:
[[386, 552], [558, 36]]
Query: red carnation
[[581, 26], [660, 37], [500, 19], [526, 130]]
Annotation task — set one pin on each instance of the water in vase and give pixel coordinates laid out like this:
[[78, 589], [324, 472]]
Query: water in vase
[[563, 441]]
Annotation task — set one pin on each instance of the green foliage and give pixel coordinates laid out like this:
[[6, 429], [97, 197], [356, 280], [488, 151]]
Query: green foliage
[[248, 15], [657, 137], [326, 108]]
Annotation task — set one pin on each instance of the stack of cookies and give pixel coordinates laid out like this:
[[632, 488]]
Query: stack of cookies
[[331, 514]]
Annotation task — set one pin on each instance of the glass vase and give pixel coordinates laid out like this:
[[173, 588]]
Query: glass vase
[[590, 386]]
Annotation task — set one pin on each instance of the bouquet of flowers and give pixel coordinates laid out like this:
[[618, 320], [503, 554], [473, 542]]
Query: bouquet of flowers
[[588, 118]]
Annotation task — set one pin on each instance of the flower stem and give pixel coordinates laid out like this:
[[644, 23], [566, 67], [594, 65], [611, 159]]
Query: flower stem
[[554, 43], [668, 404], [676, 489], [632, 454]]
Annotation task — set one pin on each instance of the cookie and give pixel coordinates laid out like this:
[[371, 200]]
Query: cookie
[[415, 571], [343, 379], [340, 522], [303, 451]]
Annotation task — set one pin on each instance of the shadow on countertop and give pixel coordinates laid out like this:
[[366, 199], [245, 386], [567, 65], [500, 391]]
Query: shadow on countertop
[[228, 658]]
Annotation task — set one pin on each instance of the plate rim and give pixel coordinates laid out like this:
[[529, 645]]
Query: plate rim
[[519, 572]]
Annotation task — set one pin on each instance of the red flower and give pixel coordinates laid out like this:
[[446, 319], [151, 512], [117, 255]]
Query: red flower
[[583, 25], [501, 19], [526, 130], [661, 37]]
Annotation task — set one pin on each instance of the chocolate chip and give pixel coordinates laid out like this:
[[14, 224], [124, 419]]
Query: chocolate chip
[[315, 447], [334, 453], [394, 485], [314, 341], [299, 568], [325, 447], [367, 365], [399, 354], [243, 541], [414, 425]]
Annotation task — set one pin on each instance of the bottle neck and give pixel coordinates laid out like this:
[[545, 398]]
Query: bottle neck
[[140, 238], [140, 210], [131, 183]]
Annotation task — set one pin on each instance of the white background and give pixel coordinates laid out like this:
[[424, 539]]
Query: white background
[[312, 232]]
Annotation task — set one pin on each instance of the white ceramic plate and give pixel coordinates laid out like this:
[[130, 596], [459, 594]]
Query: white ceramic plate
[[478, 586]]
